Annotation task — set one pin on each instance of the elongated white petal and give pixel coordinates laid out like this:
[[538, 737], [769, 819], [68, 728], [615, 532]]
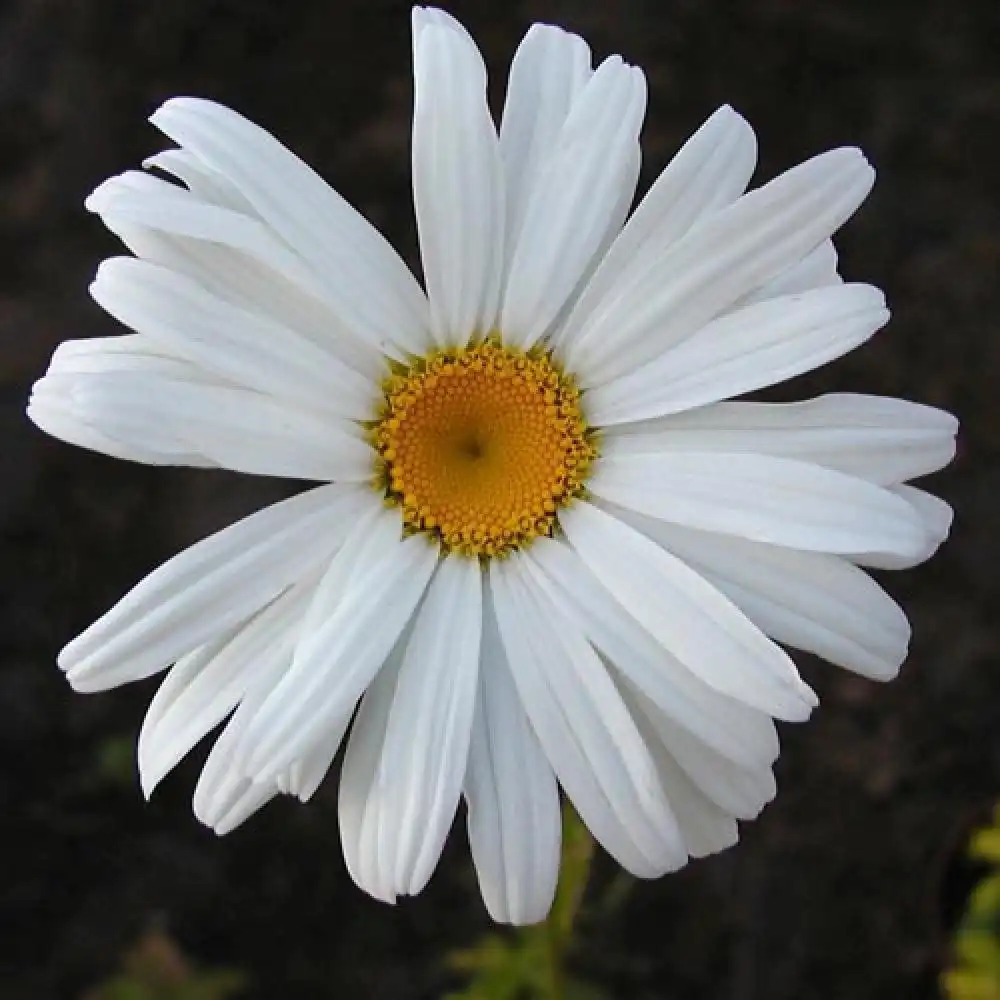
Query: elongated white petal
[[709, 171], [49, 412], [724, 257], [817, 269], [513, 800], [877, 438], [809, 600], [375, 294], [743, 734], [576, 198], [586, 730], [210, 587], [336, 660], [417, 781], [205, 686], [457, 182], [757, 346], [224, 797], [935, 517], [705, 827], [134, 198], [183, 319], [197, 423], [547, 73], [776, 500], [689, 617], [254, 285], [203, 182], [739, 791]]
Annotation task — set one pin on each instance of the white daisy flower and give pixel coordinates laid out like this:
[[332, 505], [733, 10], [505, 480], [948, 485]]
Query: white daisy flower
[[546, 551]]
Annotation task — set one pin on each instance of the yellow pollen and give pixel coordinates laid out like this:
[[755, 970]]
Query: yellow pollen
[[482, 446]]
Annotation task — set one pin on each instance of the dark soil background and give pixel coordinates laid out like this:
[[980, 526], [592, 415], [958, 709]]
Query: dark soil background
[[849, 883]]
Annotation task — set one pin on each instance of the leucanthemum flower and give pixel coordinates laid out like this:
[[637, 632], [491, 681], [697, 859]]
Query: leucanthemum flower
[[547, 551]]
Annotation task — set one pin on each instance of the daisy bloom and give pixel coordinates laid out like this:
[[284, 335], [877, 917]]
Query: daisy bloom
[[546, 550]]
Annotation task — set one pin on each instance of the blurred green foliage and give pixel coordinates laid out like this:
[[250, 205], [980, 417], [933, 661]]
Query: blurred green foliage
[[531, 963], [975, 974], [156, 969]]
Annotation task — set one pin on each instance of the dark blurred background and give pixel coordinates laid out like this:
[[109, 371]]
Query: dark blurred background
[[849, 884]]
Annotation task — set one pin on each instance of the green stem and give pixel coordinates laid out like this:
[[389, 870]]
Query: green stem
[[577, 852]]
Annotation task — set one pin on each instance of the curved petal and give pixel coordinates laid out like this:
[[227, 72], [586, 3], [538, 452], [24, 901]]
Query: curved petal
[[719, 260], [457, 181], [736, 731], [346, 638], [201, 180], [417, 780], [577, 197], [776, 500], [817, 269], [586, 730], [375, 295], [877, 438], [935, 516], [183, 319], [809, 600], [513, 800], [711, 170], [151, 416], [738, 791], [687, 615], [547, 73], [210, 587], [205, 686], [266, 279], [754, 347]]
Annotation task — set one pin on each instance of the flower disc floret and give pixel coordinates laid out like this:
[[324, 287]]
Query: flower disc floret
[[481, 446]]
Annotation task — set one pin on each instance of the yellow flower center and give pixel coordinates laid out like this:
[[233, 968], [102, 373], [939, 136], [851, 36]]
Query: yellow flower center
[[481, 446]]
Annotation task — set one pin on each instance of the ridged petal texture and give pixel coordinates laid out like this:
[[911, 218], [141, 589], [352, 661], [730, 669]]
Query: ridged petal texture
[[632, 659]]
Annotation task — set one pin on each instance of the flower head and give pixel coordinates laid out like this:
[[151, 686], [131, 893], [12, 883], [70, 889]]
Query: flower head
[[546, 550]]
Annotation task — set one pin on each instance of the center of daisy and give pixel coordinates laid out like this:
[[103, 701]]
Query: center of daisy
[[482, 446]]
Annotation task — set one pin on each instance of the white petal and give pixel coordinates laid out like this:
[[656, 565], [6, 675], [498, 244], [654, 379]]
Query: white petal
[[817, 269], [877, 438], [935, 516], [210, 587], [183, 319], [781, 501], [809, 600], [203, 182], [576, 198], [376, 295], [149, 416], [691, 619], [722, 258], [223, 797], [513, 800], [418, 780], [738, 791], [135, 199], [710, 170], [457, 182], [337, 658], [253, 284], [359, 824], [743, 734], [50, 412], [705, 827], [584, 727], [754, 347], [547, 73], [205, 686]]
